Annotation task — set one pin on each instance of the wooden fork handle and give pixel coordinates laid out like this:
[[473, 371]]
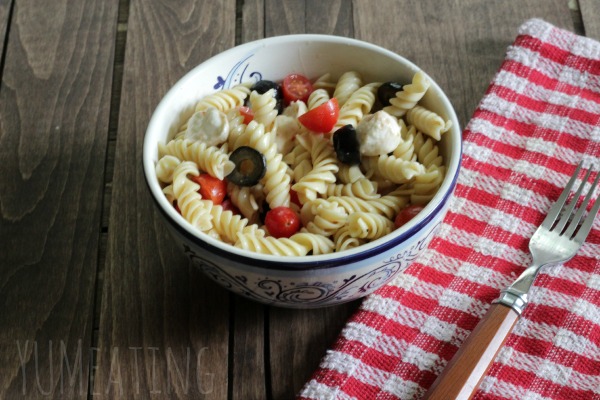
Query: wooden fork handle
[[463, 374]]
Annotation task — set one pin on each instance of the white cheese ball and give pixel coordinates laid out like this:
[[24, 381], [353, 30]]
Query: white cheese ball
[[378, 134], [209, 126]]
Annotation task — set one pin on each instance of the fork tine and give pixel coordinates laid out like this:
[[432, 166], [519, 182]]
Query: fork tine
[[560, 202], [586, 226], [582, 208], [566, 214]]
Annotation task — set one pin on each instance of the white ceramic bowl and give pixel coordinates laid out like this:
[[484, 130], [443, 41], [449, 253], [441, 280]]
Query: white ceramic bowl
[[312, 281]]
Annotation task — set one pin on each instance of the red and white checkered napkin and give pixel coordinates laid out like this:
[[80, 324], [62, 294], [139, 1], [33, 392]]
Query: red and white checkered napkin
[[538, 119]]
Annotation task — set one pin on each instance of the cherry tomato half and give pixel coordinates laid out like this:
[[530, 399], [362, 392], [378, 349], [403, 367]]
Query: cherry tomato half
[[247, 113], [321, 119], [406, 214], [282, 222], [294, 198], [211, 188], [296, 87]]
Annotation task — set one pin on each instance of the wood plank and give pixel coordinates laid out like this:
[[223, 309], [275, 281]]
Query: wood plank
[[54, 113], [460, 44], [298, 338], [164, 327], [590, 10], [248, 366], [5, 8]]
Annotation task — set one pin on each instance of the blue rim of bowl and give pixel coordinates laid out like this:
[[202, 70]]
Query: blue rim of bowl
[[310, 263]]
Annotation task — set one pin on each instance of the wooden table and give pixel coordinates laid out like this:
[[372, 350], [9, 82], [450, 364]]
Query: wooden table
[[95, 300]]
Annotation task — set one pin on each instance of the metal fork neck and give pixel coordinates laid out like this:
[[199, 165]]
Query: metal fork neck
[[515, 296], [513, 299]]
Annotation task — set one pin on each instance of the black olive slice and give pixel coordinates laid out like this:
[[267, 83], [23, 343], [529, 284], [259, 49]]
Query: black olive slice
[[264, 86], [346, 145], [388, 91], [250, 166]]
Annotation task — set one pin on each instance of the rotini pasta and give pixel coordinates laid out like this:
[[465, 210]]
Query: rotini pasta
[[348, 83], [263, 106], [208, 158], [409, 96], [324, 168], [338, 206], [366, 225], [189, 201], [226, 99], [359, 104], [428, 122]]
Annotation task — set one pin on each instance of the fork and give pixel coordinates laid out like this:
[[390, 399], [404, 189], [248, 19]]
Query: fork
[[556, 240]]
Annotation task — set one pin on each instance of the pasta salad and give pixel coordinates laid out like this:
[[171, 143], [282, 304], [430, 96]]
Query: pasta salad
[[304, 166]]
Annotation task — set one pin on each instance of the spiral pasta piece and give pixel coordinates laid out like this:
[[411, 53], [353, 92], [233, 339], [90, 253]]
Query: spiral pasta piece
[[323, 217], [299, 161], [226, 99], [264, 107], [165, 168], [189, 201], [168, 192], [406, 148], [425, 186], [243, 197], [272, 245], [352, 204], [229, 225], [325, 82], [359, 104], [362, 188], [349, 173], [343, 240], [325, 166], [398, 170], [348, 83], [236, 126], [428, 122], [208, 158], [390, 204], [409, 96], [316, 243], [427, 152], [366, 225], [317, 98], [276, 181]]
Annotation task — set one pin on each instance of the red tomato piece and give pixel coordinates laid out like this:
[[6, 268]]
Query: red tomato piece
[[247, 113], [321, 119], [228, 205], [282, 222], [294, 198], [296, 87], [406, 214], [211, 188]]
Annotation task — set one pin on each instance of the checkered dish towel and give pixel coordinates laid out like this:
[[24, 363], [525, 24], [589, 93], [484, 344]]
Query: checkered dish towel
[[538, 119]]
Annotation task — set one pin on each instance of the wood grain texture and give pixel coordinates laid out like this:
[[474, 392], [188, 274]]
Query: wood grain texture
[[164, 327], [248, 369], [298, 339], [461, 377], [5, 7], [54, 112], [459, 44], [590, 10]]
